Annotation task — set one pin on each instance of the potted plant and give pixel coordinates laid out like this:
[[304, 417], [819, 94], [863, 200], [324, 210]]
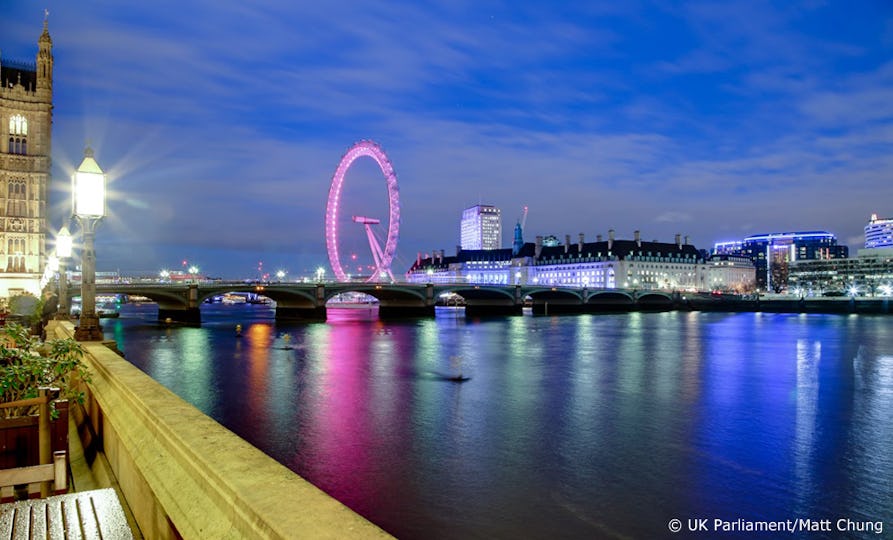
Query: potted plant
[[29, 366]]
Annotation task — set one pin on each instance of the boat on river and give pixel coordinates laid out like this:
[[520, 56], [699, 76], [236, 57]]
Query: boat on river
[[352, 300]]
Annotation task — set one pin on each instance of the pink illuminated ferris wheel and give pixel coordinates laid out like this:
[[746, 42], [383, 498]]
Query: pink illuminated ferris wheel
[[382, 257]]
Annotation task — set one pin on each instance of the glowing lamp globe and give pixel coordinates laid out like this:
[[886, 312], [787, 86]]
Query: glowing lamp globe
[[88, 188], [63, 243]]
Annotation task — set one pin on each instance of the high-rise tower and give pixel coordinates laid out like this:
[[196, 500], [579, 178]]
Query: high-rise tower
[[879, 233], [26, 117], [481, 227]]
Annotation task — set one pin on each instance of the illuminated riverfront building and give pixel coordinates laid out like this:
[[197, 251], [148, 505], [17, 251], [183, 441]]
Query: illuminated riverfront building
[[605, 263], [879, 233], [26, 115], [481, 228], [773, 253], [870, 273]]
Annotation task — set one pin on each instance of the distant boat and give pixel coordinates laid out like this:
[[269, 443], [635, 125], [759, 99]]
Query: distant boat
[[352, 301], [230, 299], [458, 378]]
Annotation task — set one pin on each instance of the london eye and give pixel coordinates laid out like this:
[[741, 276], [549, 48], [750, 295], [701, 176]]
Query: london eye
[[382, 256]]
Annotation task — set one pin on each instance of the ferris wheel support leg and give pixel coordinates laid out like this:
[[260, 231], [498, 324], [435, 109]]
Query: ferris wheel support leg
[[378, 256]]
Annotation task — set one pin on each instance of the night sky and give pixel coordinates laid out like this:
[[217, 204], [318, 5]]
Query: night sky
[[221, 123]]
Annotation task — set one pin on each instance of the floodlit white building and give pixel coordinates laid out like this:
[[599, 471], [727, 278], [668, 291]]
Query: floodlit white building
[[603, 264], [481, 228]]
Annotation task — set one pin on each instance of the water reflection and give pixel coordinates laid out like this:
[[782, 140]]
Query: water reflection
[[575, 427]]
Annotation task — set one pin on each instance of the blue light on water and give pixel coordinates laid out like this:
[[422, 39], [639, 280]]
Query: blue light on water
[[586, 426]]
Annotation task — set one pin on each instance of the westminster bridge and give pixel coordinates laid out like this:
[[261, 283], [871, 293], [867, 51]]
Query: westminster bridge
[[307, 301], [181, 302]]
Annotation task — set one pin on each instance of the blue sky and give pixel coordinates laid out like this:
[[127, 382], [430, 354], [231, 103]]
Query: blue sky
[[221, 123]]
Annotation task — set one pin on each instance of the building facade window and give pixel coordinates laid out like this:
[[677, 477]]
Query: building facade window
[[18, 134], [18, 125], [15, 255], [17, 199]]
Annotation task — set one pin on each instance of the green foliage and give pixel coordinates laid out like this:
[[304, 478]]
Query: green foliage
[[28, 306], [27, 364]]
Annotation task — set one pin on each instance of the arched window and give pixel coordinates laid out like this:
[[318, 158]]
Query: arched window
[[16, 201], [18, 133], [18, 125]]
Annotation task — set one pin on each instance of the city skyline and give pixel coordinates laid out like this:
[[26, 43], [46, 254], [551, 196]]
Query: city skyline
[[221, 126]]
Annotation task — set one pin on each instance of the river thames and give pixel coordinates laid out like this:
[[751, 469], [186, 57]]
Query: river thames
[[590, 426]]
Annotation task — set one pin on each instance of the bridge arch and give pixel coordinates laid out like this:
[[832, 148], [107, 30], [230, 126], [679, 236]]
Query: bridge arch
[[555, 299], [485, 299], [654, 300]]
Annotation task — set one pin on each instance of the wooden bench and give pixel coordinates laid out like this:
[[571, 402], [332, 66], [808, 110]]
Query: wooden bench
[[84, 515], [56, 472]]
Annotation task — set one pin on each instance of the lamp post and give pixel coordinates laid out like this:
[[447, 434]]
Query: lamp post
[[63, 251], [88, 204]]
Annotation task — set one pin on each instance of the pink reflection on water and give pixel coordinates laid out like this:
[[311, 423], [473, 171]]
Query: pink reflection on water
[[339, 432], [257, 379]]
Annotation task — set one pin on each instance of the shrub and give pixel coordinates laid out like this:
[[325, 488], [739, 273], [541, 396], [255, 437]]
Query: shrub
[[28, 364]]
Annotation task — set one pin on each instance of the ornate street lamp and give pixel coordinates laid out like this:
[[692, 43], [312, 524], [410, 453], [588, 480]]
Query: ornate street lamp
[[63, 251], [88, 204]]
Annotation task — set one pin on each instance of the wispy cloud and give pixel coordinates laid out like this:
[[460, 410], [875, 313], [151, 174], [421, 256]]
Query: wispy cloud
[[222, 123]]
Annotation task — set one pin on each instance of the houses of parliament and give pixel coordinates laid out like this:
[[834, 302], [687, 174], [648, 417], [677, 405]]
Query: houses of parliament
[[26, 116]]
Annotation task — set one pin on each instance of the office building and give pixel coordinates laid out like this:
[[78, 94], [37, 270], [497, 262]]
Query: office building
[[879, 233], [481, 228], [870, 273], [773, 253]]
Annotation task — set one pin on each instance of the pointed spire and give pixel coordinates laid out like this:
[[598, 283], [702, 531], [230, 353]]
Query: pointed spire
[[45, 56], [45, 35]]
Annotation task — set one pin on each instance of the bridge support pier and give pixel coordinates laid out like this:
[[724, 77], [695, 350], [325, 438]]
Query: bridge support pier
[[191, 315], [300, 313]]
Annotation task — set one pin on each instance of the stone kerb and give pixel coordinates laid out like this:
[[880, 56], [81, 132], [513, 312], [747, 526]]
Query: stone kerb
[[183, 473]]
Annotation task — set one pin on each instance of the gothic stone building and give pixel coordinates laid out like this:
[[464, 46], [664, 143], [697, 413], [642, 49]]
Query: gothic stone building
[[26, 116]]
